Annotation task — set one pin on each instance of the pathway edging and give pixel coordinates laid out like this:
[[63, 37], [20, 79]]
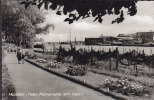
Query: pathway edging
[[78, 81]]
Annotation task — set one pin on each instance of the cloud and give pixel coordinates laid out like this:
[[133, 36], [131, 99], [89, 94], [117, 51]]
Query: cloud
[[52, 17], [54, 37], [138, 23], [90, 29], [85, 25], [82, 29], [140, 20]]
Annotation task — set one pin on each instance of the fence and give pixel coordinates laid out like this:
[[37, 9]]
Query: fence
[[83, 56]]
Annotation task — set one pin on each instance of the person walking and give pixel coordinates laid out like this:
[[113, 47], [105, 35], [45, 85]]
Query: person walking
[[15, 50], [8, 50], [22, 57], [19, 56]]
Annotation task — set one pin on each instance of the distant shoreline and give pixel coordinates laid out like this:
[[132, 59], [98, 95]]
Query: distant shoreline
[[132, 45], [137, 45]]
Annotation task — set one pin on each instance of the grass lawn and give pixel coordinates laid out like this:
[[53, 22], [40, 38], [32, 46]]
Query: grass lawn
[[97, 74]]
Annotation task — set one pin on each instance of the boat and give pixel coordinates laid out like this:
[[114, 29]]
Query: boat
[[104, 44], [149, 44], [117, 43]]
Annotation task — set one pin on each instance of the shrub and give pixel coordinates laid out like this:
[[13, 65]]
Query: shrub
[[32, 56], [123, 86], [76, 71], [7, 85]]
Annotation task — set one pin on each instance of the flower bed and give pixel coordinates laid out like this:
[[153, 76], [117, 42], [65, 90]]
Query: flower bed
[[76, 71], [131, 90], [41, 60], [31, 56], [54, 64], [95, 81], [123, 86]]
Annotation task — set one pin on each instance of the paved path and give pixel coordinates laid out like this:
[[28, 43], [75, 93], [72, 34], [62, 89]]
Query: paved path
[[30, 80]]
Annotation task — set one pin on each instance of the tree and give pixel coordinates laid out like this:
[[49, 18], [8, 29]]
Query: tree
[[87, 8], [19, 23]]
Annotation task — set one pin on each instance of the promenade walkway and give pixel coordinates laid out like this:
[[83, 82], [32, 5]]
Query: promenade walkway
[[37, 84]]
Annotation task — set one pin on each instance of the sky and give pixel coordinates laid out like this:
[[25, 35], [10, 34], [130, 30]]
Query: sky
[[143, 21]]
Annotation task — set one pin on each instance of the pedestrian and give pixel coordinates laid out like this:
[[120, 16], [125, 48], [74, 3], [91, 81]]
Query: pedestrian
[[15, 50], [8, 50], [11, 50], [22, 57], [19, 56], [18, 48]]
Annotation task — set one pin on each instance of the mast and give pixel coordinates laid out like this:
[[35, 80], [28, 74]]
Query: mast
[[75, 40], [70, 35], [70, 38]]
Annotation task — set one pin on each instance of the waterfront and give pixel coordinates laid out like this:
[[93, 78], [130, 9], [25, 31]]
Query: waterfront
[[122, 49]]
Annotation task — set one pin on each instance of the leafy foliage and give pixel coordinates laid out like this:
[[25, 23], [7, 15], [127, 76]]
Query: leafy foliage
[[76, 71], [87, 8], [44, 29], [18, 21], [84, 56]]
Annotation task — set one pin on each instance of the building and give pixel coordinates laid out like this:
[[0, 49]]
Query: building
[[144, 37], [102, 40], [125, 38], [93, 41]]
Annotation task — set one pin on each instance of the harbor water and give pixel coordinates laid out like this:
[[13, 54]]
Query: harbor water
[[122, 49]]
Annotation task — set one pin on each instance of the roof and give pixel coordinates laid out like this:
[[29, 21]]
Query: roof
[[38, 43], [125, 38], [124, 35], [145, 32]]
